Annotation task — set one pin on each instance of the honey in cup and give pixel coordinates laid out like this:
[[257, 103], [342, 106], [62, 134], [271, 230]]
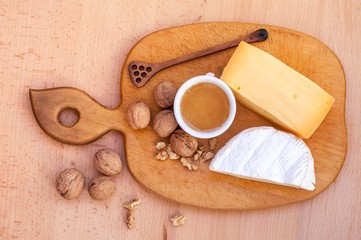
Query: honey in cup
[[205, 107]]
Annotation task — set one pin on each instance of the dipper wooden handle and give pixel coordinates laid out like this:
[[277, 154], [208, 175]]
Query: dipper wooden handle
[[141, 72]]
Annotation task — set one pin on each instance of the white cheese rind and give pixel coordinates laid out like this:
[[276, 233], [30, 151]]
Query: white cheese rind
[[268, 155]]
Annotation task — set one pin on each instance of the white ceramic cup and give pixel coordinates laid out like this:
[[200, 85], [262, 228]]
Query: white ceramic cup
[[208, 78]]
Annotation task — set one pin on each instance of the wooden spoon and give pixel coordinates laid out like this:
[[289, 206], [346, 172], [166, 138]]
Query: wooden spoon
[[141, 72]]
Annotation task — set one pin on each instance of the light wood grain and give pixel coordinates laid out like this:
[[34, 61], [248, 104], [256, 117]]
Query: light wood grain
[[83, 44]]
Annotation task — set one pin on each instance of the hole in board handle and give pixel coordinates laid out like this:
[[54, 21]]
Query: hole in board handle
[[68, 117]]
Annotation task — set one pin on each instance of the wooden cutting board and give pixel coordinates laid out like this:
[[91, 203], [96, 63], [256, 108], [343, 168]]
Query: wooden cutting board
[[169, 178]]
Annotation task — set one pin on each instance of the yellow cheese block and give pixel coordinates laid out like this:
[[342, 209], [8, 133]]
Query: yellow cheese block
[[277, 92]]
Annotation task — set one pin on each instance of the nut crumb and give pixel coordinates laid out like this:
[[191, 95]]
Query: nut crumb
[[212, 143], [162, 155], [201, 148], [178, 220], [197, 155], [172, 155], [160, 145], [130, 220], [206, 156], [130, 216], [188, 163], [132, 205]]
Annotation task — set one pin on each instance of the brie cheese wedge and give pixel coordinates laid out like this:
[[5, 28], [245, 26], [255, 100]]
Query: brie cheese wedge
[[268, 155]]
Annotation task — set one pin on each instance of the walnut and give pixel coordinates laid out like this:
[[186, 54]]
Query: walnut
[[162, 155], [138, 115], [212, 143], [130, 216], [188, 163], [107, 162], [164, 123], [183, 144], [206, 156], [160, 145], [172, 155], [69, 183], [164, 94], [178, 220], [101, 187]]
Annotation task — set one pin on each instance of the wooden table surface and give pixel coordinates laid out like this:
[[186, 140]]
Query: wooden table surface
[[83, 43]]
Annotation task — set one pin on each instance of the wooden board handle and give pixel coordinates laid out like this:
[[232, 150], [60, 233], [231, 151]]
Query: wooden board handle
[[94, 120]]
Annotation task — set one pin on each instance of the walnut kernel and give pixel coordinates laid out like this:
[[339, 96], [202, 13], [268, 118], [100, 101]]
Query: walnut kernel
[[160, 145], [162, 155], [130, 216], [197, 155], [172, 155], [132, 205], [206, 156], [178, 220], [130, 220], [188, 163], [212, 143]]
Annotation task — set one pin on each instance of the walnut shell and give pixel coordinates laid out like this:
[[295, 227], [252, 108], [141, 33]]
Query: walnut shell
[[183, 144], [138, 115], [164, 123], [69, 183], [164, 94], [101, 187], [107, 162]]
